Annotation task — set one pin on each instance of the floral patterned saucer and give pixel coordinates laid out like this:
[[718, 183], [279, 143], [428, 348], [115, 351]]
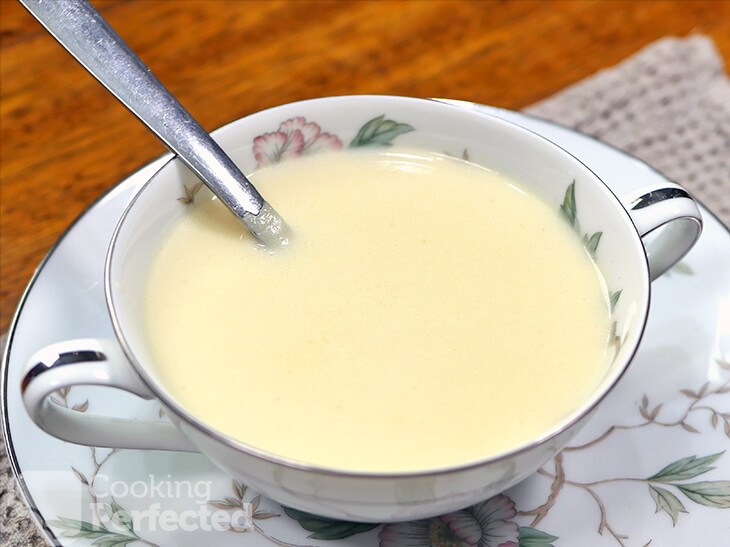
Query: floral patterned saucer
[[651, 468]]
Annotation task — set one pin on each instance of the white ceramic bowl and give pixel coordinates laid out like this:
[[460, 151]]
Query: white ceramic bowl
[[304, 127]]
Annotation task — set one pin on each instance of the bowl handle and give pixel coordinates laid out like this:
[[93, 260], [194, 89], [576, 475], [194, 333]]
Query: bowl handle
[[671, 207], [92, 362]]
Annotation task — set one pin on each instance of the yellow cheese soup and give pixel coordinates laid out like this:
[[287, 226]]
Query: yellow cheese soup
[[429, 313]]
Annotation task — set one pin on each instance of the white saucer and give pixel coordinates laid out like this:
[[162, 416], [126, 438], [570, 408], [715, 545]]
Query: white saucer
[[649, 469]]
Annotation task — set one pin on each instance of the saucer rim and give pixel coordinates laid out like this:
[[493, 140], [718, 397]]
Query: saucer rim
[[159, 162]]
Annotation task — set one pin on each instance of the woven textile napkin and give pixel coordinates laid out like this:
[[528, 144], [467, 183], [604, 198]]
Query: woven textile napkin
[[668, 105]]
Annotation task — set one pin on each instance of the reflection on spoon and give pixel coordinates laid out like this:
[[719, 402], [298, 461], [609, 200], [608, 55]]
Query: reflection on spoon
[[78, 27]]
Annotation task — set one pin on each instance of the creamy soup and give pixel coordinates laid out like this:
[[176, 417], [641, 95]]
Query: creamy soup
[[430, 312]]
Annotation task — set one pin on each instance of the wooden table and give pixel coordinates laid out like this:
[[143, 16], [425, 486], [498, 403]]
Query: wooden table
[[65, 140]]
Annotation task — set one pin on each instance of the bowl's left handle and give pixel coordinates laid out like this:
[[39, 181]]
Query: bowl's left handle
[[92, 362]]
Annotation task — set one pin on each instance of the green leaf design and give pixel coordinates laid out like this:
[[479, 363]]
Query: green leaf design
[[324, 528], [686, 468], [531, 537], [708, 493], [568, 209], [613, 298], [80, 527], [592, 243], [668, 502], [83, 529], [682, 268], [120, 516], [379, 132]]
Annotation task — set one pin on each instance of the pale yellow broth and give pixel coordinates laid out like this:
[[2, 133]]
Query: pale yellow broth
[[429, 313]]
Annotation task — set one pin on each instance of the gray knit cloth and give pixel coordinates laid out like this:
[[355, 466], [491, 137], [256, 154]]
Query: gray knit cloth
[[668, 105]]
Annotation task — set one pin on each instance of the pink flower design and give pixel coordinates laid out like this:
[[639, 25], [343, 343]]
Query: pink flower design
[[295, 137], [485, 524]]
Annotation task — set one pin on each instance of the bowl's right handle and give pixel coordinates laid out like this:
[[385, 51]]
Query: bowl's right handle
[[92, 362], [670, 206]]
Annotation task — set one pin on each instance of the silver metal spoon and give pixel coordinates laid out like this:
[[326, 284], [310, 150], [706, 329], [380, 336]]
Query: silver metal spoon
[[79, 28]]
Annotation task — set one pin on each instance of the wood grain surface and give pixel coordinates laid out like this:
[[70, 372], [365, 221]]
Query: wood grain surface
[[64, 140]]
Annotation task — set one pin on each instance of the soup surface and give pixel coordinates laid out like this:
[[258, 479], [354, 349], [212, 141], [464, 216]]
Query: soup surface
[[429, 313]]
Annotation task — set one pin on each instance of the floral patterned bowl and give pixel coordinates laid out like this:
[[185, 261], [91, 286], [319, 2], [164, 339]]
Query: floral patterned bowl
[[611, 228]]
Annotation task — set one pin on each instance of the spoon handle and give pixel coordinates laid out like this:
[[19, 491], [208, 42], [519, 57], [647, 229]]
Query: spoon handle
[[78, 27]]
